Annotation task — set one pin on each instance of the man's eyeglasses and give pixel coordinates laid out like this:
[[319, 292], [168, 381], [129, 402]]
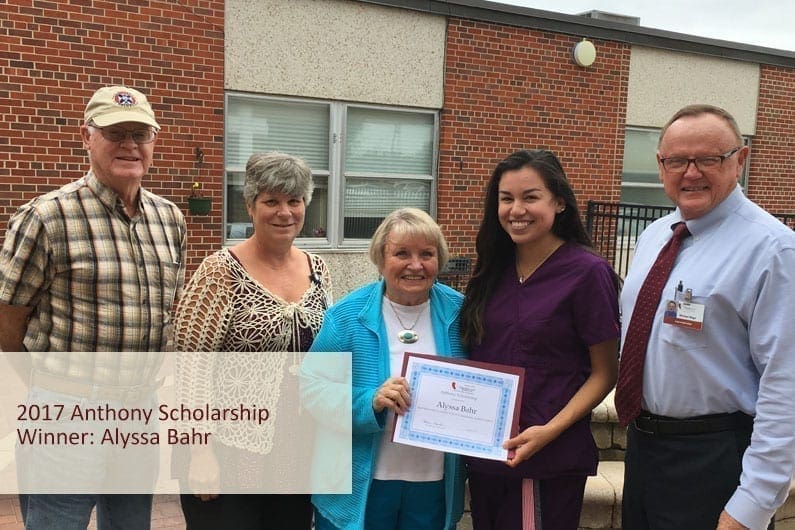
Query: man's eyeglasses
[[119, 134], [703, 163]]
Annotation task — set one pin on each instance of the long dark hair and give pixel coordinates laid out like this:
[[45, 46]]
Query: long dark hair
[[494, 247]]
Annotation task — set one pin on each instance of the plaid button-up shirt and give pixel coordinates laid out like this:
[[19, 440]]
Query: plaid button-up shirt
[[99, 281]]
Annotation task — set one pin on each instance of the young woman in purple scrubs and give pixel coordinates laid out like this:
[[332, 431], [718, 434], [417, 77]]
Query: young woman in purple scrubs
[[540, 298]]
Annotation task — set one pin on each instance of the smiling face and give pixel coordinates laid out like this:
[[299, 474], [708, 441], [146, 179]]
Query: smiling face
[[411, 264], [277, 217], [118, 165], [694, 191], [526, 208]]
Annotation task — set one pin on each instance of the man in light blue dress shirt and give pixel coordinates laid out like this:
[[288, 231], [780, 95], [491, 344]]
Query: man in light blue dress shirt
[[714, 446]]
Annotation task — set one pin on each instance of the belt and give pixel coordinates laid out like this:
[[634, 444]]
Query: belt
[[649, 423], [93, 391]]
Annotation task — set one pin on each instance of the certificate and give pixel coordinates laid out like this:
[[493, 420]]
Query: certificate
[[457, 406]]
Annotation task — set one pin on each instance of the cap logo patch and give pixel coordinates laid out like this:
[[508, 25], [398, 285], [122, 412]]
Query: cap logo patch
[[125, 99]]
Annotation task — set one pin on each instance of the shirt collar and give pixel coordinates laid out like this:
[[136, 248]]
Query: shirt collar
[[107, 196], [714, 217]]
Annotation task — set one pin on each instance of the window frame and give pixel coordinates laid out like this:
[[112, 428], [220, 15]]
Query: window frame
[[336, 178]]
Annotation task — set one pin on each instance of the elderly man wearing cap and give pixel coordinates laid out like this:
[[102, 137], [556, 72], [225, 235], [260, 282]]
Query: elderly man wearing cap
[[88, 275]]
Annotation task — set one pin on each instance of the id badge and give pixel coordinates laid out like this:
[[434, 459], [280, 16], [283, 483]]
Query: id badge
[[684, 314]]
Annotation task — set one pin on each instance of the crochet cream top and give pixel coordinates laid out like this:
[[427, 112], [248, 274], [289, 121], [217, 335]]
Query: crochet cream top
[[224, 319]]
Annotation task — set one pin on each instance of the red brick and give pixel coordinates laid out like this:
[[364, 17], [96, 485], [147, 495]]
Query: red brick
[[520, 89], [173, 51], [772, 169], [505, 88]]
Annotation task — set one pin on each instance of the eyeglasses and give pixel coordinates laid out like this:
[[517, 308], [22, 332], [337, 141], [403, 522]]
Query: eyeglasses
[[119, 134], [703, 163]]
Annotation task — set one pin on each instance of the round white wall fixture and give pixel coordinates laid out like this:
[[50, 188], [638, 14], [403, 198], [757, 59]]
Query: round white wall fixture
[[584, 53]]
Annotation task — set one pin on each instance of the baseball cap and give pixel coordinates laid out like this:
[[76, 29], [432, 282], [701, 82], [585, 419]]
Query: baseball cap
[[116, 104]]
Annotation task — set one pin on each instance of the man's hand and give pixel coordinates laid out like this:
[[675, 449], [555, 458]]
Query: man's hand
[[727, 522], [13, 325]]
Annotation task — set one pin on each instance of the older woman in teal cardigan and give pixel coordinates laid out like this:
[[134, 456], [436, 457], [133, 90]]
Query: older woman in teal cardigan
[[394, 486]]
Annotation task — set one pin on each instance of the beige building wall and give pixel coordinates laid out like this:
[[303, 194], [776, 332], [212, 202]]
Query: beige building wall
[[661, 82], [349, 270], [335, 49]]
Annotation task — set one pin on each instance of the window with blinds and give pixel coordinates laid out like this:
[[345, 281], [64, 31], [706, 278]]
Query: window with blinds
[[366, 161], [388, 164], [640, 183]]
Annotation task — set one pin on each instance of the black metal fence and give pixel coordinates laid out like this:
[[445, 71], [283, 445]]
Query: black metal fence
[[456, 273], [614, 228]]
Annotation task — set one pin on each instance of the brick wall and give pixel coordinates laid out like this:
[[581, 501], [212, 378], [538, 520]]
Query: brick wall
[[55, 54], [505, 88], [508, 88], [771, 180]]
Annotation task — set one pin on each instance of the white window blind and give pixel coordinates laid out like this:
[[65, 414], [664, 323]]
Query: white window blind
[[388, 142], [258, 126], [366, 161]]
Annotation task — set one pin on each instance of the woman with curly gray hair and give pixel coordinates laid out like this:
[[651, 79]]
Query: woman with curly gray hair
[[261, 295]]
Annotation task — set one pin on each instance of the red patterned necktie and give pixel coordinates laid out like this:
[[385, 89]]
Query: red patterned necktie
[[633, 353]]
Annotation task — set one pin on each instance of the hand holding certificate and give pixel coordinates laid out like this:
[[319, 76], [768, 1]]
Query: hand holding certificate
[[462, 407], [392, 395]]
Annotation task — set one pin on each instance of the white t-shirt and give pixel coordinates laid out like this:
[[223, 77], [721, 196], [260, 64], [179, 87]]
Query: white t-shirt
[[399, 461]]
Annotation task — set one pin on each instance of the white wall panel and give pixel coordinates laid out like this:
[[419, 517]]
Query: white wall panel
[[335, 49], [661, 82]]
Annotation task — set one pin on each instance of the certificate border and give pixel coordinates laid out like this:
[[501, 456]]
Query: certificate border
[[453, 444]]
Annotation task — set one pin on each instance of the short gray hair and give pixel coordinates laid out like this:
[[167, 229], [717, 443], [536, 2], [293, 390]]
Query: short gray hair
[[700, 109], [408, 221], [276, 172]]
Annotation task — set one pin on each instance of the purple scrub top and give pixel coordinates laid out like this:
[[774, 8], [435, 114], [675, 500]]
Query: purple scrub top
[[546, 326]]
